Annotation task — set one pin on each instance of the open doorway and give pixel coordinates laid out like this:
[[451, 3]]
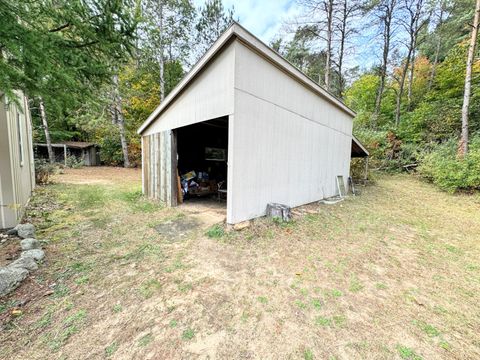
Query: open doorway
[[202, 153]]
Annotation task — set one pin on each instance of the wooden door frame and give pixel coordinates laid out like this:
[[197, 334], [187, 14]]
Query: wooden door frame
[[174, 162]]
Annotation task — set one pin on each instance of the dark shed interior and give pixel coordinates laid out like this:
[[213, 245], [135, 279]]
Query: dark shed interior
[[202, 150]]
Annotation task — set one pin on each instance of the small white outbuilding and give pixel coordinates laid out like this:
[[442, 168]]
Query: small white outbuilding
[[255, 121]]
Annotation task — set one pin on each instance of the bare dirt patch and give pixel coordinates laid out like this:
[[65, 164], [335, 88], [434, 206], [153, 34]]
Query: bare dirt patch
[[209, 210], [100, 175], [391, 274], [177, 228]]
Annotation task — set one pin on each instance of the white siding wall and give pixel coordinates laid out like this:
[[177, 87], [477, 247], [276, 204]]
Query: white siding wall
[[287, 144], [17, 179], [209, 96]]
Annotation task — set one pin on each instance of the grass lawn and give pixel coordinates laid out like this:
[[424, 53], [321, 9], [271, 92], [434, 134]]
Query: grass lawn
[[391, 274]]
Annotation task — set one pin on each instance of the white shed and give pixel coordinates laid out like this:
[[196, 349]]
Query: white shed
[[255, 121]]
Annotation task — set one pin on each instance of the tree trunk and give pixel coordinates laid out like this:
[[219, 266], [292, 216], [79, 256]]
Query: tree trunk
[[118, 119], [383, 74], [328, 60], [386, 18], [434, 64], [413, 29], [437, 50], [43, 115], [410, 79], [401, 87], [463, 146], [161, 59], [123, 138], [341, 50]]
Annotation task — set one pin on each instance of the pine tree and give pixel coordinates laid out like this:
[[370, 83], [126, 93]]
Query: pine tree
[[213, 20]]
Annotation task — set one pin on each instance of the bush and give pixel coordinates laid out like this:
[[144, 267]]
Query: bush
[[387, 151], [73, 162], [43, 170], [111, 150], [447, 171], [431, 121], [357, 169]]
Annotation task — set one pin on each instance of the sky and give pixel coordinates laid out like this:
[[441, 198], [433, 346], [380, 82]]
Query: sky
[[264, 18], [261, 17]]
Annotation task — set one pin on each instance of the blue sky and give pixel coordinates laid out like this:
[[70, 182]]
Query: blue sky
[[261, 17], [264, 18]]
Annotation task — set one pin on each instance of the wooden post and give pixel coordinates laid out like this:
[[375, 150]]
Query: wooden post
[[43, 115], [366, 168], [65, 154]]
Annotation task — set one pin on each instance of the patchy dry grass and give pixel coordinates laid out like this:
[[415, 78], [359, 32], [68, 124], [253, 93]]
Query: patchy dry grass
[[393, 273]]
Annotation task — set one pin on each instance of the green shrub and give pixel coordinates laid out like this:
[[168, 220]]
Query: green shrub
[[43, 171], [111, 150], [375, 142], [447, 171], [387, 151], [74, 162], [216, 231]]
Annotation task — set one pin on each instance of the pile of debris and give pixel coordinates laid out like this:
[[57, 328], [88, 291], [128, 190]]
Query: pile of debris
[[14, 273], [197, 184]]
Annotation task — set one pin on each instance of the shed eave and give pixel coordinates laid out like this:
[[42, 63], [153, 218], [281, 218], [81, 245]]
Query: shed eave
[[360, 145]]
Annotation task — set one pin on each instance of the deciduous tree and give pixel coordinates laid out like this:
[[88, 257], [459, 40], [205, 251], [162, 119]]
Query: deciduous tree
[[412, 24], [384, 11], [463, 146]]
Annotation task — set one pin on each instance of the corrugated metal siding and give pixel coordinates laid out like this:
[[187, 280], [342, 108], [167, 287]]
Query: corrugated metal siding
[[7, 216]]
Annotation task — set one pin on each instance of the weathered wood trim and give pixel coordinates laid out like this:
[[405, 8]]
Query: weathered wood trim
[[173, 168], [146, 165], [159, 153], [230, 177], [158, 180]]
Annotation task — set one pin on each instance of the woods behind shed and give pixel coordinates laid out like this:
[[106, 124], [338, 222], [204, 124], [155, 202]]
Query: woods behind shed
[[286, 138]]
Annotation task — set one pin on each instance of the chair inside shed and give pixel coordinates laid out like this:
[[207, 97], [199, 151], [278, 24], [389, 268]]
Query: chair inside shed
[[202, 150]]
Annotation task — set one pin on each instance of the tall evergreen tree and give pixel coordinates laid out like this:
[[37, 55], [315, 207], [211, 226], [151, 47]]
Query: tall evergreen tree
[[213, 20], [62, 49], [167, 32], [60, 52]]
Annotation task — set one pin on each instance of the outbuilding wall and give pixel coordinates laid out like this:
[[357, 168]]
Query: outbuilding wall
[[288, 143], [17, 174], [208, 97]]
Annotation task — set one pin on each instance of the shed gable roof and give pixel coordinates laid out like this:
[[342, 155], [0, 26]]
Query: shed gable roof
[[238, 32]]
